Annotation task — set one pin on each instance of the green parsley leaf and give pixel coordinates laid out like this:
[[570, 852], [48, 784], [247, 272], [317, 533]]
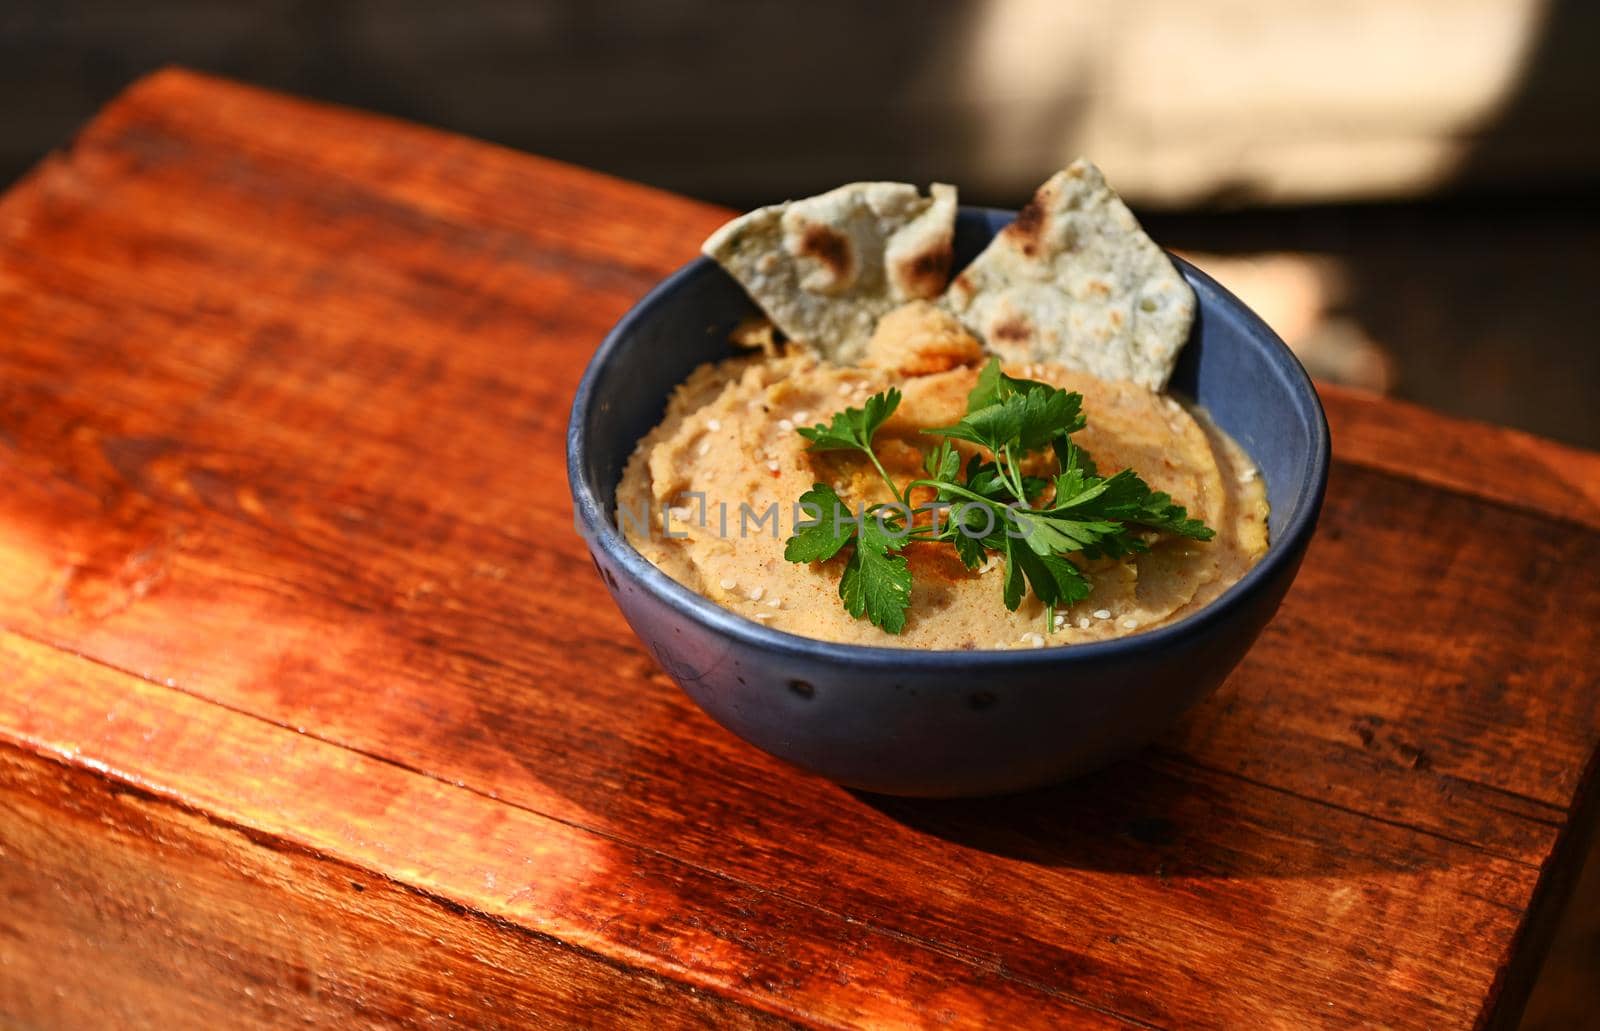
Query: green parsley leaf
[[994, 386], [984, 478], [1047, 534], [969, 547], [1127, 498], [1055, 580], [831, 526], [1049, 413], [1025, 420], [1016, 584], [852, 429], [942, 463], [987, 390], [974, 528], [1077, 469], [877, 582], [993, 426]]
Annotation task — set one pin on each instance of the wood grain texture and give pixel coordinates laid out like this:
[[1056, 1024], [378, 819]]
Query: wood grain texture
[[286, 551], [126, 912], [1494, 463]]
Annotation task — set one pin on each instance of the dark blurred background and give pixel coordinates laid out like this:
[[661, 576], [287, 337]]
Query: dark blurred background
[[1405, 188]]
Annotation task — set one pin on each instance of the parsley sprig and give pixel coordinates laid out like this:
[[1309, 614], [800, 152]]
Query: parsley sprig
[[987, 507]]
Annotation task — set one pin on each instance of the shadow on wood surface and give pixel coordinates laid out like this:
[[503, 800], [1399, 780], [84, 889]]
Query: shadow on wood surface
[[1151, 815]]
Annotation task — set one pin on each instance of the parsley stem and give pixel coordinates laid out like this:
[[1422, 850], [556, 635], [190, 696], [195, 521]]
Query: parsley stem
[[952, 488], [884, 473], [1013, 481]]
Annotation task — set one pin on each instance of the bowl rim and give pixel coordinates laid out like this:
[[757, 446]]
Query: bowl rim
[[597, 529]]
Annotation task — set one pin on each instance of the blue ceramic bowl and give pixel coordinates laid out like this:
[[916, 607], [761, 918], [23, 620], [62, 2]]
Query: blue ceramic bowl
[[942, 723]]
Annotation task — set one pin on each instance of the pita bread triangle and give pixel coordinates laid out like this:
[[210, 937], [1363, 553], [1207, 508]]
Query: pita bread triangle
[[826, 268], [1075, 280]]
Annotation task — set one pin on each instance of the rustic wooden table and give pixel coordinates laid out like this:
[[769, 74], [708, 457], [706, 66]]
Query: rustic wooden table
[[313, 708]]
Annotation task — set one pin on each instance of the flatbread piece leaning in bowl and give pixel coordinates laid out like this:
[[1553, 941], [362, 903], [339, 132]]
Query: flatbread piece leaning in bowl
[[902, 460]]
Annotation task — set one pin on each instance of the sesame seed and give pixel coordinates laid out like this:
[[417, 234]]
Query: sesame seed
[[772, 466], [845, 387], [1248, 475], [774, 603], [728, 584], [1102, 613], [756, 592], [785, 425], [1083, 622], [801, 418], [761, 615], [1033, 640], [705, 445], [1130, 624], [713, 425]]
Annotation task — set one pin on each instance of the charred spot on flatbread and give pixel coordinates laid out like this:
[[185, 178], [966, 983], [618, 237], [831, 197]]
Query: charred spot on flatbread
[[924, 275], [831, 249], [1012, 330], [1025, 229]]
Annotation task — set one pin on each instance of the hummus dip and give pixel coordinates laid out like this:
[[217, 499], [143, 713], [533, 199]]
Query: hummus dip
[[709, 494]]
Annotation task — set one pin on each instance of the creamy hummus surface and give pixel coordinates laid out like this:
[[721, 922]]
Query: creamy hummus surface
[[709, 495]]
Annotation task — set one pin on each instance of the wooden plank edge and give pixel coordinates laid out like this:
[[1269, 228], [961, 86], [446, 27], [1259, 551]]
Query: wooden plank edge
[[208, 759], [1468, 457], [1515, 980], [195, 921]]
